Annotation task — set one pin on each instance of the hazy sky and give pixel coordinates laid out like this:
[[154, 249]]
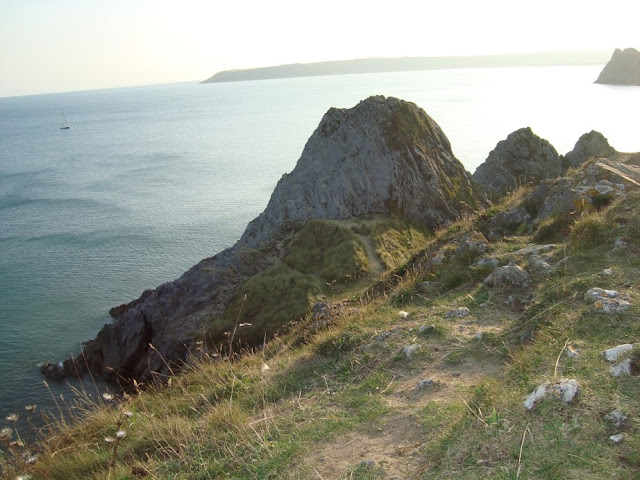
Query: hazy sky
[[60, 45]]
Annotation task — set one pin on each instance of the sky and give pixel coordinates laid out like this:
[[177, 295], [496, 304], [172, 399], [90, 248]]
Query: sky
[[67, 45]]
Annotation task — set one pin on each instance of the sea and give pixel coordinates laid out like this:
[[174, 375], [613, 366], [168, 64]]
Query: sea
[[150, 180]]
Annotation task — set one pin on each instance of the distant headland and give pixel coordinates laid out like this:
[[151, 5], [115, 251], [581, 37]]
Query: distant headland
[[406, 64]]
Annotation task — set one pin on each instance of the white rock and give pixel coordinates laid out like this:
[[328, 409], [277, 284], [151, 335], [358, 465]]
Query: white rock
[[478, 336], [607, 271], [614, 353], [572, 352], [617, 438], [403, 314], [621, 369], [409, 350], [566, 389], [616, 417], [534, 396], [510, 274], [458, 312]]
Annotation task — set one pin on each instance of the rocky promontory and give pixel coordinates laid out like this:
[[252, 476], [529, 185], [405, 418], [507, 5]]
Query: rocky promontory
[[383, 156], [622, 69]]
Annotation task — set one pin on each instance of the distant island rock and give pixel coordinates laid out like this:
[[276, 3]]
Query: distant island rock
[[405, 64], [622, 69]]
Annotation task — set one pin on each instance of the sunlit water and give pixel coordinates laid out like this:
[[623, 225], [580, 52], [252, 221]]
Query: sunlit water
[[149, 180]]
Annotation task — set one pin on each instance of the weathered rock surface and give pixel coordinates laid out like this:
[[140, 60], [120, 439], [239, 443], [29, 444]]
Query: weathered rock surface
[[520, 159], [592, 144], [622, 69], [509, 275], [564, 390], [384, 155], [606, 301]]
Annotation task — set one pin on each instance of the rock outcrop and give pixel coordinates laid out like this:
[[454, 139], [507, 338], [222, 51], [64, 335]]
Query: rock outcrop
[[520, 159], [622, 69], [592, 144], [383, 156]]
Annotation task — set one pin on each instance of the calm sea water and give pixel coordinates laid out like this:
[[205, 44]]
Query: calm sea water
[[149, 180]]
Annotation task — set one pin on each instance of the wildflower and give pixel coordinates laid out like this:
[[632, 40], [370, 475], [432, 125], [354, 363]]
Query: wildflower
[[31, 459], [127, 413], [30, 408], [265, 367], [5, 434], [23, 477], [120, 434], [13, 418], [109, 439], [107, 396]]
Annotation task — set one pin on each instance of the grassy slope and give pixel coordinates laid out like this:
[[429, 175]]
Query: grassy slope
[[333, 398]]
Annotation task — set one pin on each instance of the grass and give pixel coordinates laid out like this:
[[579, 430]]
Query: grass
[[347, 393]]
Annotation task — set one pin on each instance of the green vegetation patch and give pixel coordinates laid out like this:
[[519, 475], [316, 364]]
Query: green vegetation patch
[[395, 242], [328, 251]]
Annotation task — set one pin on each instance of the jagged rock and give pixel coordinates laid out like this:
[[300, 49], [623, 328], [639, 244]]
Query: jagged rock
[[622, 69], [511, 275], [540, 265], [612, 354], [409, 350], [474, 241], [424, 329], [424, 383], [606, 301], [507, 221], [617, 418], [321, 315], [564, 389], [488, 262], [384, 155], [620, 369], [520, 159], [592, 144], [458, 312]]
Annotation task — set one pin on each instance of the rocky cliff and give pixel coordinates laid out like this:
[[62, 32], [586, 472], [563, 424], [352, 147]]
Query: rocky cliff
[[622, 69], [383, 156]]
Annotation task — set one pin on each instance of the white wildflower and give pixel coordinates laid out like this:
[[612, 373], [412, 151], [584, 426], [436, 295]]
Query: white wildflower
[[121, 434], [107, 396]]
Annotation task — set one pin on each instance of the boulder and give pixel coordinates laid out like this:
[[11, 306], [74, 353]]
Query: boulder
[[564, 390], [520, 159], [509, 275]]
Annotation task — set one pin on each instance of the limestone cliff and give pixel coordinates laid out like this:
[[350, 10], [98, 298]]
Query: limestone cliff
[[383, 156], [622, 69]]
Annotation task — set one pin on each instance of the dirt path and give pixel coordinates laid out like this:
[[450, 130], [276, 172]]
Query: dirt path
[[374, 261]]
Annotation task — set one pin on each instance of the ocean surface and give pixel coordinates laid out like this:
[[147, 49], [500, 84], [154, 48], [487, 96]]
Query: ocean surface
[[150, 180]]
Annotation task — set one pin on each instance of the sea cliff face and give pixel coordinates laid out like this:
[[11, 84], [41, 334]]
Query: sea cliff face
[[622, 69], [384, 156]]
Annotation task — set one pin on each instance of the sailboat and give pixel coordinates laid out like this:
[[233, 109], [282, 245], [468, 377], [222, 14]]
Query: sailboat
[[64, 125]]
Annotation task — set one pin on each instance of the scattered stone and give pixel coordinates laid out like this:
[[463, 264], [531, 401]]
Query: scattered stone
[[409, 350], [321, 315], [618, 438], [621, 242], [402, 314], [474, 241], [535, 249], [455, 373], [510, 274], [488, 262], [607, 271], [424, 383], [571, 352], [621, 369], [383, 336], [424, 329], [564, 389], [614, 353], [540, 265], [478, 336], [437, 258], [458, 312], [368, 463], [616, 418], [606, 301]]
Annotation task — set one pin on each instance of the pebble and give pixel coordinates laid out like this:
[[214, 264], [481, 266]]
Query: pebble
[[409, 350], [617, 438], [424, 383]]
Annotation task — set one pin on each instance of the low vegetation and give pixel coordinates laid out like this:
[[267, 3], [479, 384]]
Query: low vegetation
[[351, 400]]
